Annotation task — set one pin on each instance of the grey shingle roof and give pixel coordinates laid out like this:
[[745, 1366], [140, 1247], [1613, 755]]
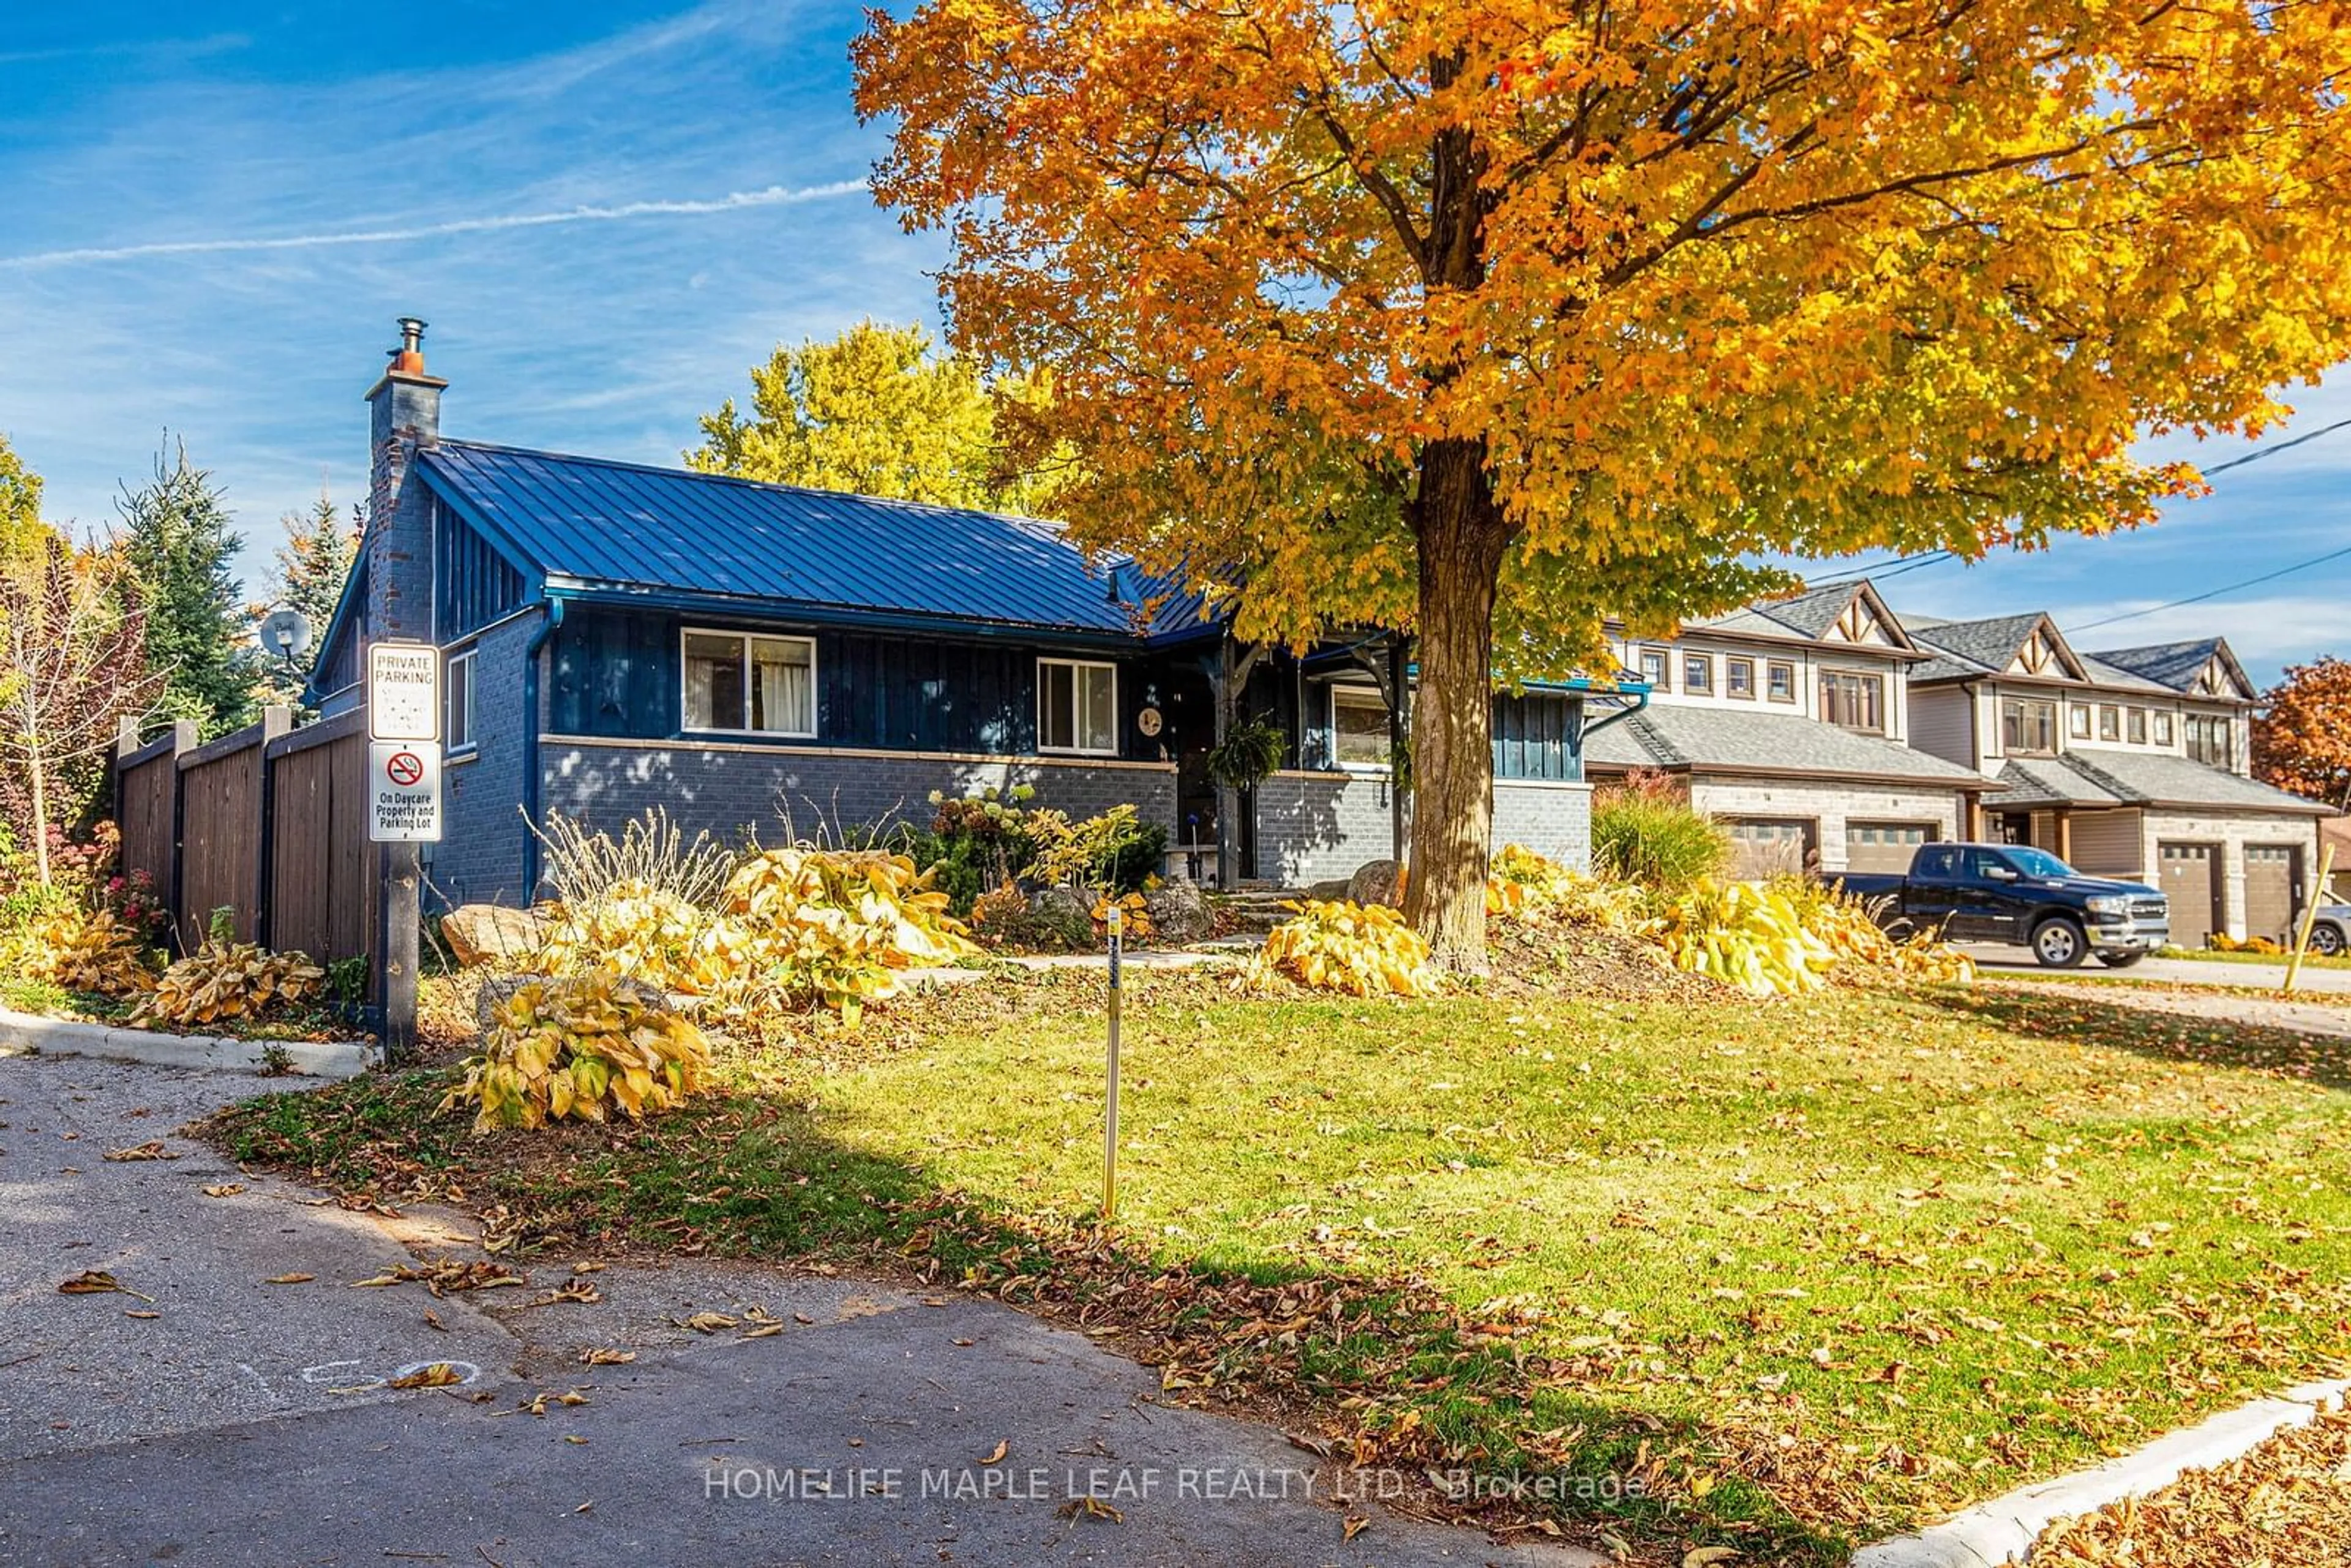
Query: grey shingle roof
[[2172, 665], [2136, 779], [1736, 740], [1978, 646], [2154, 778]]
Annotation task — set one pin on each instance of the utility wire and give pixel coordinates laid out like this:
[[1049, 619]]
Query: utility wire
[[2217, 592]]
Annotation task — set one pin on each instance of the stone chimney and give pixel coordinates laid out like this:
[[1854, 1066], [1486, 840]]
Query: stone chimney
[[403, 414]]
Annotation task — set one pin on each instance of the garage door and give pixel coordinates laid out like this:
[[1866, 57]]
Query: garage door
[[1884, 846], [1765, 846], [2190, 883], [2269, 891]]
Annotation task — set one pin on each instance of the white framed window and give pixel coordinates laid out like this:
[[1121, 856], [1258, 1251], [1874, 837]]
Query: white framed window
[[739, 682], [1077, 706], [457, 702], [1359, 728]]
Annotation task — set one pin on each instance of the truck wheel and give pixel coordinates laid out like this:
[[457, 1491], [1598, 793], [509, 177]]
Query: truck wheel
[[2119, 960], [2326, 940], [2059, 943]]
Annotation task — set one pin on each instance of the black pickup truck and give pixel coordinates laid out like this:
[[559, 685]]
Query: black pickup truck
[[2009, 892]]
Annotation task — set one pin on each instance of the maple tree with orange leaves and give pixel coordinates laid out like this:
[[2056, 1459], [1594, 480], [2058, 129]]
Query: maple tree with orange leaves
[[2302, 736], [1486, 321]]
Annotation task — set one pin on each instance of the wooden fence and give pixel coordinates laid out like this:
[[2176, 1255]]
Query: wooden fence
[[269, 822]]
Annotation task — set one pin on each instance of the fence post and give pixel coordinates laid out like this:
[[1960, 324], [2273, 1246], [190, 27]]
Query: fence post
[[184, 740], [275, 722]]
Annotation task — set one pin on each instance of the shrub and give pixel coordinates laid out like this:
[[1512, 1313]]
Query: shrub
[[225, 979], [1859, 945], [641, 931], [1646, 835], [577, 1046], [1341, 947], [1788, 935], [1531, 887], [652, 856], [90, 950], [837, 924]]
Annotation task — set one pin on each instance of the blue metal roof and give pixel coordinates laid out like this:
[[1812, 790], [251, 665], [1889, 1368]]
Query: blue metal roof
[[631, 528]]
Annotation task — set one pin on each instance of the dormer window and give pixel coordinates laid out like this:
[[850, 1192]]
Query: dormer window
[[2028, 726], [1854, 701]]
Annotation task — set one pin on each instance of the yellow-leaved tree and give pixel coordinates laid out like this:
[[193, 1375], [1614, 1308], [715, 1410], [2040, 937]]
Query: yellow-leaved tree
[[876, 413], [1487, 318]]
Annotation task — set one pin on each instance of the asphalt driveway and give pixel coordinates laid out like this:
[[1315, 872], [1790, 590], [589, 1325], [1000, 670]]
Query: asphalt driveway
[[2317, 982], [234, 1401]]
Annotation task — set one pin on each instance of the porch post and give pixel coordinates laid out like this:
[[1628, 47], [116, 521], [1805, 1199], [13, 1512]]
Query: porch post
[[2065, 835], [1227, 798]]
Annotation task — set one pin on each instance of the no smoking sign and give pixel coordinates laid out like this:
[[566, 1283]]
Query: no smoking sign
[[403, 792]]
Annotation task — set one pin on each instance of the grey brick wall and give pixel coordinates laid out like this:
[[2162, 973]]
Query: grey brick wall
[[734, 790], [1551, 819], [1318, 827], [479, 859]]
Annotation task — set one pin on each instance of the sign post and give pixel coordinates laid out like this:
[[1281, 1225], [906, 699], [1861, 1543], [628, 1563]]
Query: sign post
[[1115, 923], [403, 792]]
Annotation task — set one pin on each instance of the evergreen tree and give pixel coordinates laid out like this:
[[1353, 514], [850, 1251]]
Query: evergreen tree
[[307, 576], [177, 543]]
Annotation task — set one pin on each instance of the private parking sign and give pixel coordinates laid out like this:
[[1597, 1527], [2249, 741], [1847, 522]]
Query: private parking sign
[[403, 692], [404, 791]]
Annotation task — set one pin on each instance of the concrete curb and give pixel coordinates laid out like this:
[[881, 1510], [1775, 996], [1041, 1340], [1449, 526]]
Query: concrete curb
[[28, 1033], [2003, 1530]]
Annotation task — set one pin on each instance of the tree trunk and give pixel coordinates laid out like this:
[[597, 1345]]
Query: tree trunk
[[1462, 537], [40, 781]]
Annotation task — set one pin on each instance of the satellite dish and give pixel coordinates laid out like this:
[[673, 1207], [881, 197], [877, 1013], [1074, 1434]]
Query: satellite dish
[[286, 634]]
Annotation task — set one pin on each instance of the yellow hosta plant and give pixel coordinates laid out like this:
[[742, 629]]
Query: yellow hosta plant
[[1533, 887], [581, 1046], [89, 951], [1363, 950], [841, 923], [1743, 935], [223, 981], [644, 933]]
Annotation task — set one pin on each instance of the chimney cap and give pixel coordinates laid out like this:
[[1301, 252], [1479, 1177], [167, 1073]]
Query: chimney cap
[[409, 358]]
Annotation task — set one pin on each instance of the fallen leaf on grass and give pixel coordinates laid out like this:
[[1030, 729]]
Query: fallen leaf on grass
[[290, 1279], [152, 1149], [601, 1356], [995, 1455], [224, 1189], [440, 1374], [1706, 1556]]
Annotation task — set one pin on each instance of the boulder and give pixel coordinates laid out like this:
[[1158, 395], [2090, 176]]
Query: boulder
[[493, 994], [1179, 911], [1061, 916], [1377, 881], [1328, 891], [477, 933]]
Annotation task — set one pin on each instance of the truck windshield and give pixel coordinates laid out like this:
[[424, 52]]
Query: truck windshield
[[2036, 862]]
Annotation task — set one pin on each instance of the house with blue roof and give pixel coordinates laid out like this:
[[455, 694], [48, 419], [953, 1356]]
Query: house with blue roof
[[766, 660]]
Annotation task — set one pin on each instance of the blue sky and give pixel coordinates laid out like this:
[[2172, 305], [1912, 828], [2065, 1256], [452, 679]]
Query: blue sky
[[214, 213]]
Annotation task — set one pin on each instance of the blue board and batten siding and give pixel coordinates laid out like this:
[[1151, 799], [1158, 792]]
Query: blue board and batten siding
[[615, 673], [474, 583]]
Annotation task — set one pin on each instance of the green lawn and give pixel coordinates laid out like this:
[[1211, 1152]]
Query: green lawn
[[1810, 1270]]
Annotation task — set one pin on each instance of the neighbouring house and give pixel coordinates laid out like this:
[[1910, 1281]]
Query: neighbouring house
[[1788, 721], [2335, 833], [765, 659], [2129, 762]]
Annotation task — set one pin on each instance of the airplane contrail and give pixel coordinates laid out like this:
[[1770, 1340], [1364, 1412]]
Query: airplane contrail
[[773, 196]]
